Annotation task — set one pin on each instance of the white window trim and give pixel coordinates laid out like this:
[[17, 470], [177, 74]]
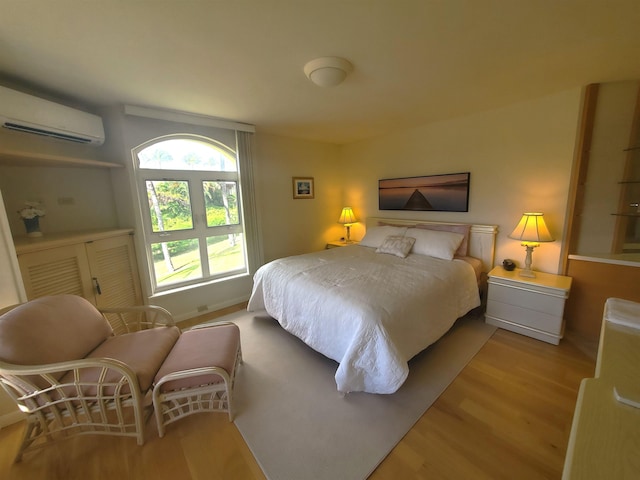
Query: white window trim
[[188, 118], [200, 229]]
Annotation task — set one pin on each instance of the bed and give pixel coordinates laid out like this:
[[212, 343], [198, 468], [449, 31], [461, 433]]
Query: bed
[[372, 306]]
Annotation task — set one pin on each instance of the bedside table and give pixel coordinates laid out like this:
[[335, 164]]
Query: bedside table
[[529, 306], [340, 243]]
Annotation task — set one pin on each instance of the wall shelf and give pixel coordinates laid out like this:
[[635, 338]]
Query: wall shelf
[[627, 229], [31, 159]]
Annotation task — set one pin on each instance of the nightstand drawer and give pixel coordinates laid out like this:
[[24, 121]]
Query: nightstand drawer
[[531, 300], [532, 306], [524, 316]]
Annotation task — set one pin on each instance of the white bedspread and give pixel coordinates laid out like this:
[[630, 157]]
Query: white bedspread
[[369, 312]]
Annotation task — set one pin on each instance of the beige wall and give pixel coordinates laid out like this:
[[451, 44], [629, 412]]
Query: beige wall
[[293, 226], [89, 190], [519, 156]]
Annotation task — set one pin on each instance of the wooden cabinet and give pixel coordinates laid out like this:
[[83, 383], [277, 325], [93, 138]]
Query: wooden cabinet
[[595, 279], [99, 265], [529, 306]]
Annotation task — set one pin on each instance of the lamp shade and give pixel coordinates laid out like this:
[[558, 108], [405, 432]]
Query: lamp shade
[[531, 229], [347, 217]]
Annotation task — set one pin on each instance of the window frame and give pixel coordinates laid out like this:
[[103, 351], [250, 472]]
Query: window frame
[[200, 230]]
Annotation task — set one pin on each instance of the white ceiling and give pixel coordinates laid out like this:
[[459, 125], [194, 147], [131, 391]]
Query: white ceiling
[[415, 61]]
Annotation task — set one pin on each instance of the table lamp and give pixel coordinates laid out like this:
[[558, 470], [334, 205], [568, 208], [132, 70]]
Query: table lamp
[[347, 218], [531, 231]]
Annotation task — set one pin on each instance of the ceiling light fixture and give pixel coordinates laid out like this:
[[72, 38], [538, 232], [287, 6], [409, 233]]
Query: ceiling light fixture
[[328, 71]]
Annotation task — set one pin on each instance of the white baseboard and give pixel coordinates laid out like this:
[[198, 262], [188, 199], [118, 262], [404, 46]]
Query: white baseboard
[[212, 308]]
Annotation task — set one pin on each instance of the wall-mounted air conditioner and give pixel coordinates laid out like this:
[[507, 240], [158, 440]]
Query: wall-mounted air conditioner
[[26, 113]]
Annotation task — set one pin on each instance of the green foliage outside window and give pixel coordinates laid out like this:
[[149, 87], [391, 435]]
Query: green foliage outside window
[[171, 209]]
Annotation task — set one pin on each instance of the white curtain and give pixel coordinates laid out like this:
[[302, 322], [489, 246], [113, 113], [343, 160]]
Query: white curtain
[[253, 236]]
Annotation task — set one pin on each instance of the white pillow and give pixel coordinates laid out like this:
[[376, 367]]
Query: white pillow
[[435, 243], [376, 235], [396, 245]]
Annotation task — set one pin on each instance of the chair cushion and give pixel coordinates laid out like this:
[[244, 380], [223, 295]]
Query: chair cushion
[[51, 329], [142, 351], [215, 346]]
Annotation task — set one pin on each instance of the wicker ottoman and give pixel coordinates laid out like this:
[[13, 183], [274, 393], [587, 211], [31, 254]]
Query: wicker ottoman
[[198, 374]]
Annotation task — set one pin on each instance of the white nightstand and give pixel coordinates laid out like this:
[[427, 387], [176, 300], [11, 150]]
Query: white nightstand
[[530, 306], [340, 243]]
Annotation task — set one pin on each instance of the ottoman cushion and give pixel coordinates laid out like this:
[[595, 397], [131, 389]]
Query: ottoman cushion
[[215, 346]]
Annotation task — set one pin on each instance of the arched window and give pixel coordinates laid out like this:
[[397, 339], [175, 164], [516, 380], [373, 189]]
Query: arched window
[[188, 187]]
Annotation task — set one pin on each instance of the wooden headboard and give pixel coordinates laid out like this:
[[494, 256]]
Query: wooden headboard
[[482, 238]]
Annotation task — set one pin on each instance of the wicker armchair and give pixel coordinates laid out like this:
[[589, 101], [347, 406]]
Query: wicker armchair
[[64, 366]]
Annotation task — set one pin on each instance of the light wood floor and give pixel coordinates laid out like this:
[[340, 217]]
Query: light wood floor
[[507, 415]]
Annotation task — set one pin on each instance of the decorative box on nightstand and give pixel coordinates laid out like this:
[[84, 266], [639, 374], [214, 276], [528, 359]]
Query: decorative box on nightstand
[[530, 306], [340, 243]]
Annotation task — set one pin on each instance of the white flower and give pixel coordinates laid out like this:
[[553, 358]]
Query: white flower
[[31, 210]]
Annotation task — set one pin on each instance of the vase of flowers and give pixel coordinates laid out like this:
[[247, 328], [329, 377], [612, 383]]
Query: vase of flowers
[[30, 214]]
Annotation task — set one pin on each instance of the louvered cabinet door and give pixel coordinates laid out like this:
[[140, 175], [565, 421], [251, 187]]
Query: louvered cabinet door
[[56, 271], [114, 272]]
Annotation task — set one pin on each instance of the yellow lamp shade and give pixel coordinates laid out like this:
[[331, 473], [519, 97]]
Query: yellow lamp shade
[[531, 231], [531, 228], [347, 217]]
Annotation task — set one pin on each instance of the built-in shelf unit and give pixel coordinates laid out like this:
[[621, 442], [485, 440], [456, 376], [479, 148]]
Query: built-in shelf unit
[[33, 159], [627, 231]]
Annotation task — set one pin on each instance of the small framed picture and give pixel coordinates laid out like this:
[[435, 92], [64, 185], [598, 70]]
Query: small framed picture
[[303, 187]]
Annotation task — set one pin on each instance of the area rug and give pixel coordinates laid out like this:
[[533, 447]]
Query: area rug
[[299, 427]]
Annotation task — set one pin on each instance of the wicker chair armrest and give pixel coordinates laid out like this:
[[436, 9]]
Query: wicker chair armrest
[[8, 308], [138, 317], [30, 384], [59, 367]]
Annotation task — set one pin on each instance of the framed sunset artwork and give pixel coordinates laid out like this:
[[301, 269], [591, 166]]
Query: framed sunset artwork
[[436, 193]]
